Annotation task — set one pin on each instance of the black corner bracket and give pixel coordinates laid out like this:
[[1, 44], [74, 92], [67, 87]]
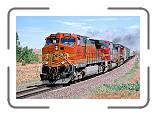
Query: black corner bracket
[[19, 107], [19, 8], [148, 48], [137, 107], [148, 19], [8, 68]]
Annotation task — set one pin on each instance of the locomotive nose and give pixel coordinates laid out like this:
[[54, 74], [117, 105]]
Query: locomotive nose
[[57, 55]]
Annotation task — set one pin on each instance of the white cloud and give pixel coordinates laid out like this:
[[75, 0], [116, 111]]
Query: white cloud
[[101, 19], [76, 25], [72, 23], [134, 27]]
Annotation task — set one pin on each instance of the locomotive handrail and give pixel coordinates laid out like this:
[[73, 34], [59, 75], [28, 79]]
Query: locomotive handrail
[[44, 60], [66, 60]]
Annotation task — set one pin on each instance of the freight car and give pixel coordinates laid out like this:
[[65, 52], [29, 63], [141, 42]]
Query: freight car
[[68, 57]]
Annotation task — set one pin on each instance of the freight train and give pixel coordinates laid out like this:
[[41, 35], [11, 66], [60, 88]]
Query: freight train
[[68, 57]]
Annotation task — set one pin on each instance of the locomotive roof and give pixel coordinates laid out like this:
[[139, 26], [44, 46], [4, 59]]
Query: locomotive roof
[[118, 45], [83, 37]]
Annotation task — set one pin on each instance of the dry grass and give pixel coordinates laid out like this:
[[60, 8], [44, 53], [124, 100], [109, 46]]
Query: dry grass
[[123, 94], [27, 73]]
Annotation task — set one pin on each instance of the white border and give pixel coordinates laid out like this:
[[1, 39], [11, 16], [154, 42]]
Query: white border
[[84, 103]]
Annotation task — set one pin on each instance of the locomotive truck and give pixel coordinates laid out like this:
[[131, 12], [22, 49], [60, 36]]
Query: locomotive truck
[[68, 57]]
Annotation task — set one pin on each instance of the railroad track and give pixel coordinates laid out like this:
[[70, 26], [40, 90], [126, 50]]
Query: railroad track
[[34, 91]]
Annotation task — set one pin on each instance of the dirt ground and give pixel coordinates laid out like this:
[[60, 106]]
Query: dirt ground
[[27, 73], [135, 78]]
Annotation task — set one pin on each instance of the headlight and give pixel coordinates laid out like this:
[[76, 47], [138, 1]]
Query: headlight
[[61, 54], [56, 47], [46, 62], [62, 62]]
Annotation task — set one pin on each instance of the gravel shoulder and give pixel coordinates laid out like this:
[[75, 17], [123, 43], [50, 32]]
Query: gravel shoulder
[[82, 89]]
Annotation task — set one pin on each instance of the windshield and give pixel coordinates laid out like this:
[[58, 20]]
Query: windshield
[[105, 45], [52, 41], [68, 41]]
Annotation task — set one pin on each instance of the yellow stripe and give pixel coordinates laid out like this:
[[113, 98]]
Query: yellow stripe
[[103, 55]]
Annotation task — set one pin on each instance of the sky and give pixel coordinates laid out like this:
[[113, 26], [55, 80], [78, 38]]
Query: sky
[[125, 30]]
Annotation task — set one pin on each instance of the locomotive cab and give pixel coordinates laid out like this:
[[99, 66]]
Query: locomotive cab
[[57, 56]]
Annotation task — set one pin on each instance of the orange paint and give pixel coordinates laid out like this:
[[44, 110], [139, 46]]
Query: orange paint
[[60, 54]]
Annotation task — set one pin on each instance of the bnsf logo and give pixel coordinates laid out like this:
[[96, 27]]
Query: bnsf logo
[[57, 55]]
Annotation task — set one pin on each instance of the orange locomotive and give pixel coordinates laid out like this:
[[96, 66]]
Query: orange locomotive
[[68, 57]]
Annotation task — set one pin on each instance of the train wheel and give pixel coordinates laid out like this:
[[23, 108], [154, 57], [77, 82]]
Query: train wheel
[[109, 66], [103, 69], [117, 63], [100, 69], [45, 73], [80, 75], [121, 61], [45, 69]]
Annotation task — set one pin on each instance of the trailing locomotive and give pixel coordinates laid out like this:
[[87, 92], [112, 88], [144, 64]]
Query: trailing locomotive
[[68, 57]]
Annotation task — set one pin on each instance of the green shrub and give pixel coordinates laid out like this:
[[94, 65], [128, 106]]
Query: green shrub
[[24, 55], [119, 87]]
